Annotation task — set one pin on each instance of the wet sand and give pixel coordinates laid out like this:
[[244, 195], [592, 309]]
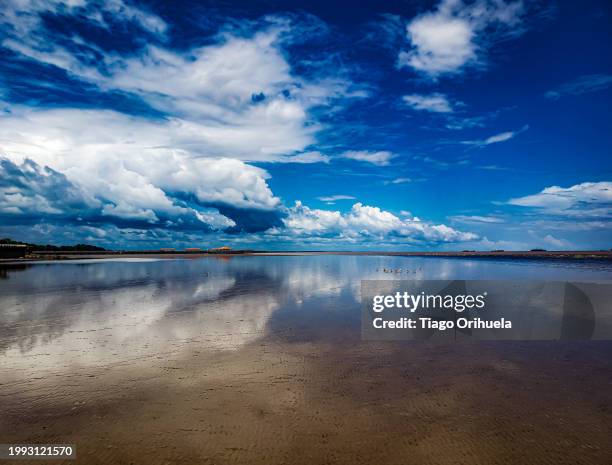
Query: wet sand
[[349, 402], [303, 389]]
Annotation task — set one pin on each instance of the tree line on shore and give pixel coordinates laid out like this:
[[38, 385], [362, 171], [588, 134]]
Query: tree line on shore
[[52, 248]]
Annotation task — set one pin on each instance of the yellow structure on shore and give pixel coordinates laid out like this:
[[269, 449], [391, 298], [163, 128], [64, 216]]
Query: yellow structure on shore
[[224, 249]]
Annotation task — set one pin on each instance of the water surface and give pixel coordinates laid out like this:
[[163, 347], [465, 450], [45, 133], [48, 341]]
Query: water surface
[[90, 312], [257, 359]]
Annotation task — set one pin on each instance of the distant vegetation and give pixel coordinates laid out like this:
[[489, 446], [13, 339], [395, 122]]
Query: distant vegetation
[[53, 248]]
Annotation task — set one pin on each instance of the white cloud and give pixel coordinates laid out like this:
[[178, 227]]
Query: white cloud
[[209, 96], [562, 224], [364, 222], [334, 198], [441, 44], [556, 242], [25, 32], [306, 157], [435, 103], [504, 136], [25, 15], [449, 38], [31, 191], [380, 158], [399, 181], [586, 200], [224, 105], [476, 219], [493, 168], [236, 98], [495, 139], [128, 160]]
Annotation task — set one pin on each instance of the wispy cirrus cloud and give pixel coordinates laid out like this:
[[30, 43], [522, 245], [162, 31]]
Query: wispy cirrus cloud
[[493, 168], [378, 158], [399, 181], [582, 85], [334, 198], [495, 139], [476, 219], [434, 103], [305, 158], [22, 17]]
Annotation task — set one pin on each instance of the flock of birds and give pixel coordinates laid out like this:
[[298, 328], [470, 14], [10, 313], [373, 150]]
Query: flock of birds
[[396, 270]]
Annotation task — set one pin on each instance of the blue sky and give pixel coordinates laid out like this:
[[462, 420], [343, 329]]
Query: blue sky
[[411, 125]]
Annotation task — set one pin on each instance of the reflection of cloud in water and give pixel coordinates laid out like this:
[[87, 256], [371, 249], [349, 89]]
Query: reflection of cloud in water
[[314, 282], [212, 288], [96, 327], [105, 312]]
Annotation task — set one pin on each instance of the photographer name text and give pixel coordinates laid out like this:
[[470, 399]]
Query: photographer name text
[[404, 301]]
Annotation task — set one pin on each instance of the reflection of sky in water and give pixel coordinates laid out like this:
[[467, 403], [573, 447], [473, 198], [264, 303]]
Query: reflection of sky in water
[[103, 312]]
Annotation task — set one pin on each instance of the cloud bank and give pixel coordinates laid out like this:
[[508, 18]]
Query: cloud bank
[[587, 200], [369, 223]]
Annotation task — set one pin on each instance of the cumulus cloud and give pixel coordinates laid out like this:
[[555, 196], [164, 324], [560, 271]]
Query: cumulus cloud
[[446, 40], [212, 110], [585, 200], [581, 85], [364, 222], [435, 103], [556, 242], [138, 164], [29, 192], [380, 158], [185, 165]]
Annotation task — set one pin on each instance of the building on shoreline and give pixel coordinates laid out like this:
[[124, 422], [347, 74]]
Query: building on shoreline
[[224, 249]]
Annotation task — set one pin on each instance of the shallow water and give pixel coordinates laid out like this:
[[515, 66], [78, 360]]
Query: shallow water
[[131, 307], [253, 348]]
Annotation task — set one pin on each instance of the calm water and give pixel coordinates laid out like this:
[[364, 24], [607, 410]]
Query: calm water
[[260, 360], [96, 313]]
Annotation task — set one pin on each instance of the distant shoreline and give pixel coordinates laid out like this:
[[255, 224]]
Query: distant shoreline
[[552, 255]]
